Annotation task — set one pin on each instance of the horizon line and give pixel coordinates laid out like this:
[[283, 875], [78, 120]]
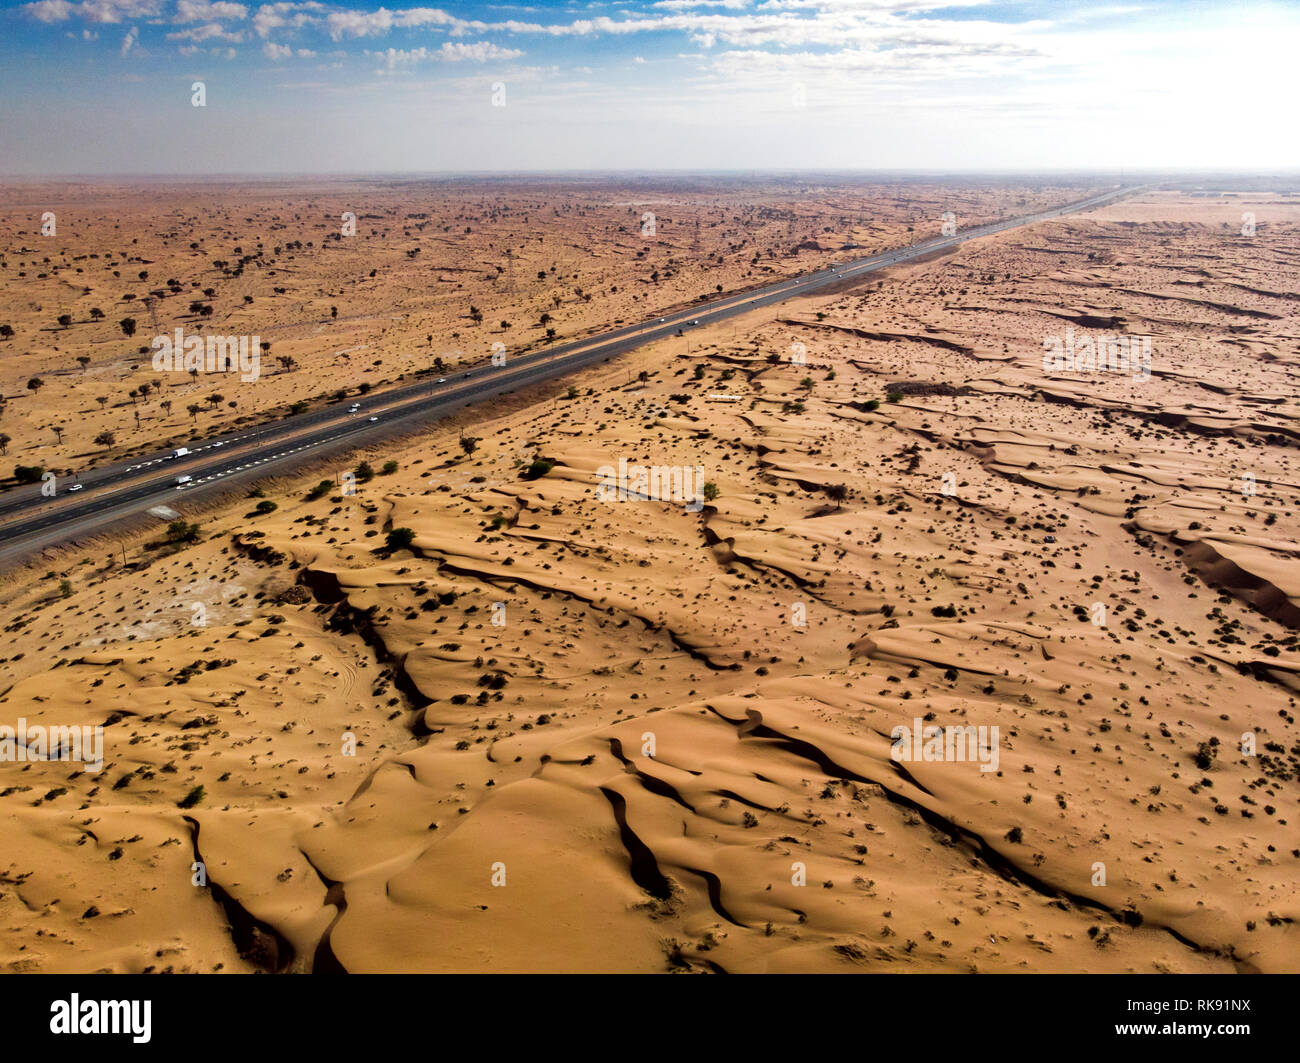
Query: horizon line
[[1185, 173]]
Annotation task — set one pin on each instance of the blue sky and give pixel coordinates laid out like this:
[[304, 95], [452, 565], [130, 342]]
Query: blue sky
[[105, 86]]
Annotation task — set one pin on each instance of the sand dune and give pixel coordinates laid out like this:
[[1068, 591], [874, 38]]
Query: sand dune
[[630, 735]]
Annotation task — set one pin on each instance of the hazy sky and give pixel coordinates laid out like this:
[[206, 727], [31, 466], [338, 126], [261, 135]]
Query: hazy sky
[[105, 86]]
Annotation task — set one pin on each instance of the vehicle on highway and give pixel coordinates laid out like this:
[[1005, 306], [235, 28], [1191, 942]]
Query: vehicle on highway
[[44, 527], [442, 380], [75, 487]]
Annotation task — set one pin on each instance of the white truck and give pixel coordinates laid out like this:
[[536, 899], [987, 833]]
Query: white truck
[[180, 452]]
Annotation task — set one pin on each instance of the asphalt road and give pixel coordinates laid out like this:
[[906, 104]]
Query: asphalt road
[[30, 521]]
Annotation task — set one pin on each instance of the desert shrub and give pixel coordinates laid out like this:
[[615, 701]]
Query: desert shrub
[[180, 531], [399, 538]]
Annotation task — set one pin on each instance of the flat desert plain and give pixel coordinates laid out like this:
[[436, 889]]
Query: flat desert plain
[[546, 725], [430, 274]]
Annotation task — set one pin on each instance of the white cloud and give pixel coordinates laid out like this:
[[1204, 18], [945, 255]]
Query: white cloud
[[99, 11], [350, 23], [50, 10], [211, 32], [294, 15], [479, 52], [682, 5], [132, 35], [282, 51], [208, 10]]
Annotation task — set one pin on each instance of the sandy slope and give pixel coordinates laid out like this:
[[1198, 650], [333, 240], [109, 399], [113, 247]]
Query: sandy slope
[[674, 754]]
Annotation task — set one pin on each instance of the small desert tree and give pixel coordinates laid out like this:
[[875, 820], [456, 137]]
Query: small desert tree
[[180, 531], [399, 538]]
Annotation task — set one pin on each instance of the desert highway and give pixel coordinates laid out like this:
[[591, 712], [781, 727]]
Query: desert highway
[[30, 521]]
